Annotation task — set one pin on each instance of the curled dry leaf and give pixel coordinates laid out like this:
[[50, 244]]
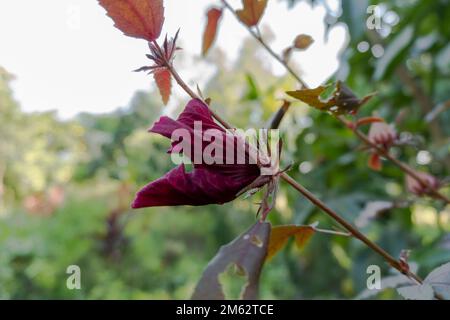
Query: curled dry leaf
[[136, 18], [368, 120], [246, 254], [252, 12], [342, 101], [303, 41], [281, 234], [210, 33], [163, 80]]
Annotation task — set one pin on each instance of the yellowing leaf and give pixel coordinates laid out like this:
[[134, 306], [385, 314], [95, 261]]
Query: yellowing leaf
[[303, 41], [209, 35], [312, 97], [281, 234], [164, 83], [343, 100], [136, 18], [252, 11]]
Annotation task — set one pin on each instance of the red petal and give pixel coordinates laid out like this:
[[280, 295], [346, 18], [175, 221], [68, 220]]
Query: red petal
[[195, 110], [200, 187]]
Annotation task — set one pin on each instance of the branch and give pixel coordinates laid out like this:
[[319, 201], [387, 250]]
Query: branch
[[257, 35], [403, 166], [279, 115], [306, 193], [188, 90], [317, 202], [353, 230], [424, 100]]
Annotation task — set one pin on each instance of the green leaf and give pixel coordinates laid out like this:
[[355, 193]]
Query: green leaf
[[354, 15], [253, 93], [394, 53]]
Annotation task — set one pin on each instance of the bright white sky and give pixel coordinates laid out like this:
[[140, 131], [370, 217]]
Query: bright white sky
[[66, 55]]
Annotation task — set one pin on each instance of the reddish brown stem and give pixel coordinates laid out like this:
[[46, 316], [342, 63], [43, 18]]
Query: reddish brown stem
[[257, 35], [403, 166], [311, 197], [350, 228]]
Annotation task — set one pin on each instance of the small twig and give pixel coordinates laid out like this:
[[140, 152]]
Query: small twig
[[403, 166], [355, 232], [440, 108], [189, 91], [311, 197], [333, 232], [259, 38], [358, 133], [279, 115]]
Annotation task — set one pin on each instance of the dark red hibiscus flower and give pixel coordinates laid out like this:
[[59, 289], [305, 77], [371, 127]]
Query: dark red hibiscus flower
[[214, 183]]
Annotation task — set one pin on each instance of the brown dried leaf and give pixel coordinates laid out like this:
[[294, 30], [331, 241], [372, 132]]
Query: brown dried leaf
[[343, 100], [281, 234], [209, 35], [247, 253], [303, 41], [252, 11]]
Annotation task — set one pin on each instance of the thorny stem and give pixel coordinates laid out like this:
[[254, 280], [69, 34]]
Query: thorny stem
[[405, 168]]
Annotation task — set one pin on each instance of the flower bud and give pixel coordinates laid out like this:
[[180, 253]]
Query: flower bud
[[420, 189], [382, 134]]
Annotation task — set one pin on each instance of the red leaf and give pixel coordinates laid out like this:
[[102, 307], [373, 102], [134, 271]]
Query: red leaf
[[368, 120], [136, 18], [163, 81], [375, 162], [252, 11], [209, 35]]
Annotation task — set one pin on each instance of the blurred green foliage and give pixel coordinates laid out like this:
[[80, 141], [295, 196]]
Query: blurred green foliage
[[65, 186]]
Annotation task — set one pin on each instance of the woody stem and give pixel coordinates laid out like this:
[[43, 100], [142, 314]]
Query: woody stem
[[350, 228], [258, 37], [403, 166], [189, 91], [311, 197]]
